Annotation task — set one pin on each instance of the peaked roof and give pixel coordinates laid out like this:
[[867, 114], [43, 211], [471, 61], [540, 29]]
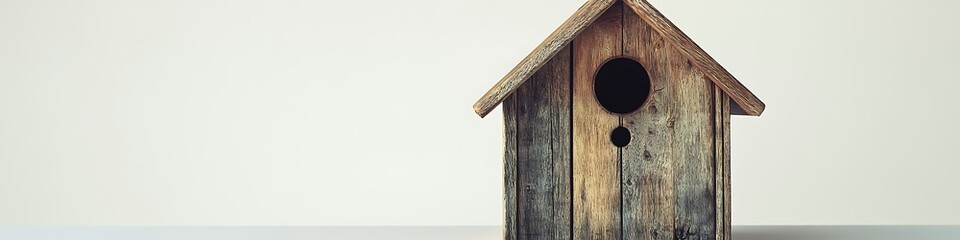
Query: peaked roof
[[746, 103]]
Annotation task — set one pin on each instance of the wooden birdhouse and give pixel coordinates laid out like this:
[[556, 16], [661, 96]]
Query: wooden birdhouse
[[617, 126]]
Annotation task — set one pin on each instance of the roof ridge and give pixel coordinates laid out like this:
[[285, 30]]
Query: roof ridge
[[583, 17]]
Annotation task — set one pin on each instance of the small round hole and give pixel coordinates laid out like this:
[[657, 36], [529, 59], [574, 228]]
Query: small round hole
[[621, 85], [620, 136]]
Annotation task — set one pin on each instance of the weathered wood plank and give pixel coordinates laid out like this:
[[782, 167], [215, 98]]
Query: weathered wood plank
[[543, 152], [749, 102], [562, 144], [726, 111], [534, 159], [540, 55], [648, 171], [718, 129], [509, 169], [693, 152], [596, 170]]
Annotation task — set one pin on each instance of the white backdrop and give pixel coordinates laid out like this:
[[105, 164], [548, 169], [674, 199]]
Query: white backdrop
[[295, 112]]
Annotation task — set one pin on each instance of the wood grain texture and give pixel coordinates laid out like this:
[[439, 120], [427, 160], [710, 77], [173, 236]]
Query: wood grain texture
[[563, 177], [723, 139], [649, 199], [596, 175], [693, 143], [736, 109], [699, 58], [563, 144], [543, 152], [540, 55], [744, 101], [721, 112], [510, 169]]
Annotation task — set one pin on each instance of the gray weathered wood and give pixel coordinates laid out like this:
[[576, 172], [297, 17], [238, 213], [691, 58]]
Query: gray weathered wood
[[563, 145], [718, 129], [596, 170], [722, 137], [693, 152], [543, 152], [728, 189], [649, 201], [510, 169]]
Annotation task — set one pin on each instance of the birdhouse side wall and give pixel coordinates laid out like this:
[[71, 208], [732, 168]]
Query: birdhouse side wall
[[537, 170]]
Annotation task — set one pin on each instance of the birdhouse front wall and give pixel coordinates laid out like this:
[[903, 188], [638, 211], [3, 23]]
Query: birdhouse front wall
[[567, 178]]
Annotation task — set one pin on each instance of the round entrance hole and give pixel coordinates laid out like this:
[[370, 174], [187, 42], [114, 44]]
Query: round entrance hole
[[620, 136], [621, 85]]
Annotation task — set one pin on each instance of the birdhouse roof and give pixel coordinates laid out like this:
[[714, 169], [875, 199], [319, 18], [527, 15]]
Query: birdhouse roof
[[745, 102]]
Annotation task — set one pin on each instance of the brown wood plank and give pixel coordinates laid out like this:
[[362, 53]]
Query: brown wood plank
[[749, 102], [721, 111], [540, 55], [543, 152], [648, 171], [596, 175], [509, 169], [693, 152], [724, 140]]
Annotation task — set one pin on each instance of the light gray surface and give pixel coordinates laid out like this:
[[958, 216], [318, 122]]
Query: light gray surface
[[445, 233]]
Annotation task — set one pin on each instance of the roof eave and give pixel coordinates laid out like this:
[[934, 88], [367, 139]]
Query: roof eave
[[570, 28]]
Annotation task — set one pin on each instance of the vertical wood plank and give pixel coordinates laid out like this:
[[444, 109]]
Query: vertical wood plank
[[721, 111], [727, 190], [648, 171], [562, 144], [694, 151], [534, 157], [509, 169], [596, 170], [543, 151]]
